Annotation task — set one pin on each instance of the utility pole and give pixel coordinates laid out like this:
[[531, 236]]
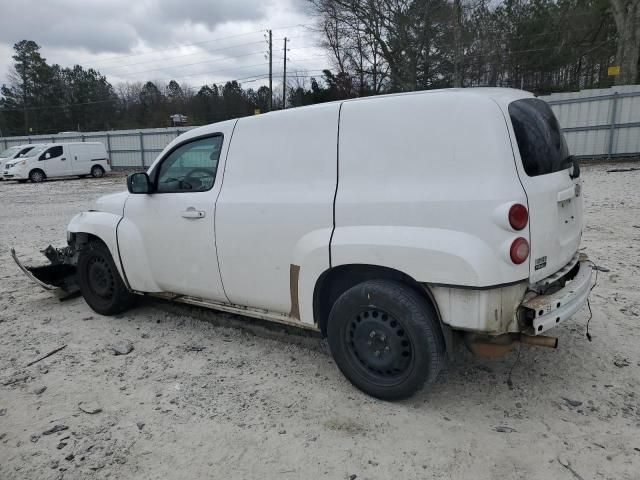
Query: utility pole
[[457, 41], [284, 77], [270, 71]]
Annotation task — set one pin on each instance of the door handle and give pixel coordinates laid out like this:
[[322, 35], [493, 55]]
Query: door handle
[[62, 159], [191, 212]]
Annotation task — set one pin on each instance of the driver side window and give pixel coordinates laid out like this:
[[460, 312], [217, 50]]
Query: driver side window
[[191, 167], [52, 152]]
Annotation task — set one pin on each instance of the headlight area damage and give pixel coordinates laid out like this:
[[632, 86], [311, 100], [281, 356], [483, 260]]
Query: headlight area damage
[[59, 276]]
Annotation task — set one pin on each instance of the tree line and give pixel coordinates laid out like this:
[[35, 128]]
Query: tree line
[[375, 46]]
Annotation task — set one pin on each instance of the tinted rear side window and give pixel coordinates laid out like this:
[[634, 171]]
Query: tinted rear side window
[[542, 146]]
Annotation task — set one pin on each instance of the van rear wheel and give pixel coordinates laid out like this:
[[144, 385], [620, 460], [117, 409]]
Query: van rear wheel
[[97, 171], [99, 280], [386, 339]]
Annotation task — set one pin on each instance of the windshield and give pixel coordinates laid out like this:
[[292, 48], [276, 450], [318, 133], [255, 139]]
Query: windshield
[[9, 152], [540, 141], [36, 151]]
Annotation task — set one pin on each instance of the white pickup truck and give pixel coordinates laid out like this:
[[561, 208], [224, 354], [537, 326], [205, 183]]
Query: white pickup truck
[[394, 225]]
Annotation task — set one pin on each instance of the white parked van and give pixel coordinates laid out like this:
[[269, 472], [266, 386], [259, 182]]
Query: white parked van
[[395, 225], [49, 160], [12, 152]]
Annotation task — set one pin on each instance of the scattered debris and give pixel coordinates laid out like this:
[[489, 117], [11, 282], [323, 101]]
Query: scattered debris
[[567, 464], [616, 170], [621, 363], [504, 429], [40, 390], [121, 348], [282, 432], [571, 402], [16, 379], [90, 407], [54, 429], [140, 425], [46, 356], [34, 438], [353, 476], [70, 457], [3, 412], [61, 445], [194, 348]]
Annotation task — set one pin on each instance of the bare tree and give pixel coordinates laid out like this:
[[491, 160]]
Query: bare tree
[[626, 14]]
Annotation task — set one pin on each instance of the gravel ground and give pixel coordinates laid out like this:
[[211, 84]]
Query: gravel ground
[[199, 397]]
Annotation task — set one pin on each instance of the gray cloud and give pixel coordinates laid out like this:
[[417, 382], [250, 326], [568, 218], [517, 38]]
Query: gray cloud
[[194, 41]]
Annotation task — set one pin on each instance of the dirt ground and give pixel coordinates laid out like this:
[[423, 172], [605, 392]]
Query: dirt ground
[[200, 398]]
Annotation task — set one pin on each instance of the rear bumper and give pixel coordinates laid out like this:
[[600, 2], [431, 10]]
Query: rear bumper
[[547, 311]]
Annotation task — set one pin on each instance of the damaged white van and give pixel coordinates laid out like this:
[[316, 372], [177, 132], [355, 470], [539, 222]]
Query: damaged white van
[[395, 225]]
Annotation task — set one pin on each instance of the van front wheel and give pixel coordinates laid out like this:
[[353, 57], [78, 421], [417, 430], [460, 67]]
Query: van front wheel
[[36, 176], [386, 339], [99, 280]]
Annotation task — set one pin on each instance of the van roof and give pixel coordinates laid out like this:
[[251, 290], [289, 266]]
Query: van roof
[[49, 144], [501, 96]]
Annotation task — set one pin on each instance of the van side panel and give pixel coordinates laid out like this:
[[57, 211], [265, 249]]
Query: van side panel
[[86, 155], [424, 181], [275, 210]]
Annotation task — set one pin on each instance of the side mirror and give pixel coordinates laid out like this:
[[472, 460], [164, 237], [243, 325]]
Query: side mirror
[[47, 156], [139, 183]]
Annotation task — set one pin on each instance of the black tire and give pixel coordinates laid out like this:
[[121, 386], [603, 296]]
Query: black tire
[[36, 175], [97, 171], [386, 339], [99, 280]]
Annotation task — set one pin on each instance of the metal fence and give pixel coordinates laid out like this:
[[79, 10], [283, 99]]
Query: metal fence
[[596, 123], [126, 148], [600, 123]]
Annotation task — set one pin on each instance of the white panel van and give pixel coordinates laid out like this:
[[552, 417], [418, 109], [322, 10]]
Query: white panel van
[[11, 153], [397, 226], [58, 160]]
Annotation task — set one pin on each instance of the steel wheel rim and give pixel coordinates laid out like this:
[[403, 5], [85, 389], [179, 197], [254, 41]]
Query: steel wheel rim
[[36, 177], [379, 347], [97, 172], [100, 278]]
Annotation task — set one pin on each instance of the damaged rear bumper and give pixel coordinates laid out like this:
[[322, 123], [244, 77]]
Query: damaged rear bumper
[[543, 311], [59, 276]]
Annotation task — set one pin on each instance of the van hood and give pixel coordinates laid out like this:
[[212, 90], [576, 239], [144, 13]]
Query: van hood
[[112, 203]]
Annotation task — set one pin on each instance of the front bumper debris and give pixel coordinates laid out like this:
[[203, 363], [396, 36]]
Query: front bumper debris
[[547, 311], [59, 276]]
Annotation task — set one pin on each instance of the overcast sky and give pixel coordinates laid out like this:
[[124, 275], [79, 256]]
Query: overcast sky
[[191, 41]]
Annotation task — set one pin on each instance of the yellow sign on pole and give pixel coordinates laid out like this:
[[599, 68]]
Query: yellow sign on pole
[[613, 71]]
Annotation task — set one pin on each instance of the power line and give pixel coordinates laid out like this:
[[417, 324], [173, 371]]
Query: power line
[[181, 56], [150, 52], [183, 65]]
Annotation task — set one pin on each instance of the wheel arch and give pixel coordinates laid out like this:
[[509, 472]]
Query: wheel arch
[[337, 280], [102, 226]]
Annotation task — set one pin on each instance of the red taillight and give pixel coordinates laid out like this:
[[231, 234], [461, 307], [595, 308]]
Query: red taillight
[[518, 216], [519, 251]]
